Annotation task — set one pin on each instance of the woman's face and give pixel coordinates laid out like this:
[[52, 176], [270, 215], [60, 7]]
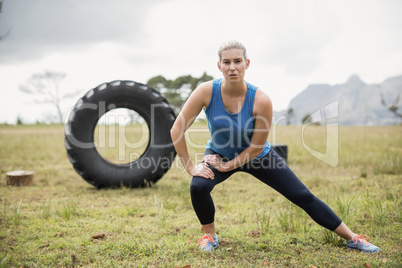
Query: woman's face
[[233, 65]]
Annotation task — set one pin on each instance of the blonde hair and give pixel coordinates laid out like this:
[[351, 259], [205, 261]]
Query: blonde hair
[[230, 45]]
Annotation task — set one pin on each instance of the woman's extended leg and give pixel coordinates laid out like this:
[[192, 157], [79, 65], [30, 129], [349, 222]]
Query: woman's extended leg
[[273, 171]]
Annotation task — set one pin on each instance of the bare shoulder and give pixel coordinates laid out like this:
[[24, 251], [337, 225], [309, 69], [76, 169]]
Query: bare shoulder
[[262, 102], [204, 88], [203, 93]]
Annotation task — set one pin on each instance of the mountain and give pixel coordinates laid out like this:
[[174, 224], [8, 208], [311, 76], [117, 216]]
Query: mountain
[[351, 103]]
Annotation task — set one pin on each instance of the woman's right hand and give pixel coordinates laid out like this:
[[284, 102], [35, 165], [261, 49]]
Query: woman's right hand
[[202, 170]]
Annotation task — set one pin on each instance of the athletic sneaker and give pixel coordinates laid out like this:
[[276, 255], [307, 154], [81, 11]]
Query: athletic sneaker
[[208, 242], [360, 242]]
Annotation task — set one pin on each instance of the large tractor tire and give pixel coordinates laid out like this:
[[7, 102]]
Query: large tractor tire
[[79, 135]]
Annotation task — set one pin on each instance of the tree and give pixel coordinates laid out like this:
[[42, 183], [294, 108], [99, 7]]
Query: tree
[[307, 119], [19, 120], [393, 107], [177, 91], [290, 113], [46, 86]]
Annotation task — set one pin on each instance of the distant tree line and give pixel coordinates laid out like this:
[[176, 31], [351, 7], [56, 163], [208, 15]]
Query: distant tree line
[[177, 91]]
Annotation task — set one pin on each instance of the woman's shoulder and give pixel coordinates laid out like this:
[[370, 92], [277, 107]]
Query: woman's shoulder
[[204, 89], [261, 101], [205, 86], [203, 92], [261, 94]]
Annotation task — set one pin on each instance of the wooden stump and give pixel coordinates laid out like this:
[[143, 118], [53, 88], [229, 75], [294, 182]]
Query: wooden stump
[[19, 177]]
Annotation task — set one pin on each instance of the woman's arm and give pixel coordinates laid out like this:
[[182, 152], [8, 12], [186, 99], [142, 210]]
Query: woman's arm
[[199, 98], [263, 119]]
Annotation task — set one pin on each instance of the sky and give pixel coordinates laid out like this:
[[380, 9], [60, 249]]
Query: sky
[[290, 44]]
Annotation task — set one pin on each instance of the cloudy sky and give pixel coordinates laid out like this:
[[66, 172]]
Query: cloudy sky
[[291, 44]]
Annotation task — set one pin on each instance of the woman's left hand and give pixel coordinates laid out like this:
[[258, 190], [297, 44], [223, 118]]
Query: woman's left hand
[[216, 161]]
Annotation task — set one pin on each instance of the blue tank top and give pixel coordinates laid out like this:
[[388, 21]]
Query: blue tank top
[[231, 133]]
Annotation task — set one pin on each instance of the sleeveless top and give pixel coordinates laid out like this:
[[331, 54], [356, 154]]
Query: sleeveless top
[[231, 133]]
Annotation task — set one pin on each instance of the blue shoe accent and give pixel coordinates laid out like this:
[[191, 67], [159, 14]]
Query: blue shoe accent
[[208, 242], [360, 242]]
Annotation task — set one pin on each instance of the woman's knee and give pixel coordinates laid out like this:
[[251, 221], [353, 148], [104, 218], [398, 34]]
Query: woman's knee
[[303, 197], [200, 185]]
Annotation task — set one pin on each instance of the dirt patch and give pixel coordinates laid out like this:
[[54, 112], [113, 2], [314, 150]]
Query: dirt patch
[[254, 233], [99, 236]]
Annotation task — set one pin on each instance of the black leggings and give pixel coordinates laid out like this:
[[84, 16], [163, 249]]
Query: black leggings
[[273, 171]]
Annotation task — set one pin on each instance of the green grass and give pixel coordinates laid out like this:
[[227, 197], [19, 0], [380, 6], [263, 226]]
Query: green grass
[[61, 220]]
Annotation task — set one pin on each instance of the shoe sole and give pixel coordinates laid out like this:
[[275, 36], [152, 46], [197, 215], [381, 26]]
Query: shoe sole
[[367, 252], [213, 247]]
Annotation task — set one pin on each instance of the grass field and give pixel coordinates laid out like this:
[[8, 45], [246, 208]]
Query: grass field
[[62, 221]]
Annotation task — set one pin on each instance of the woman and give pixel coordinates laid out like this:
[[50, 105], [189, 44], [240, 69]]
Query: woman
[[239, 117]]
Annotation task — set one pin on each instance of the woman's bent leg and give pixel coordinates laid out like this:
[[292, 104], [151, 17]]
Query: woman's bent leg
[[201, 199], [200, 190]]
